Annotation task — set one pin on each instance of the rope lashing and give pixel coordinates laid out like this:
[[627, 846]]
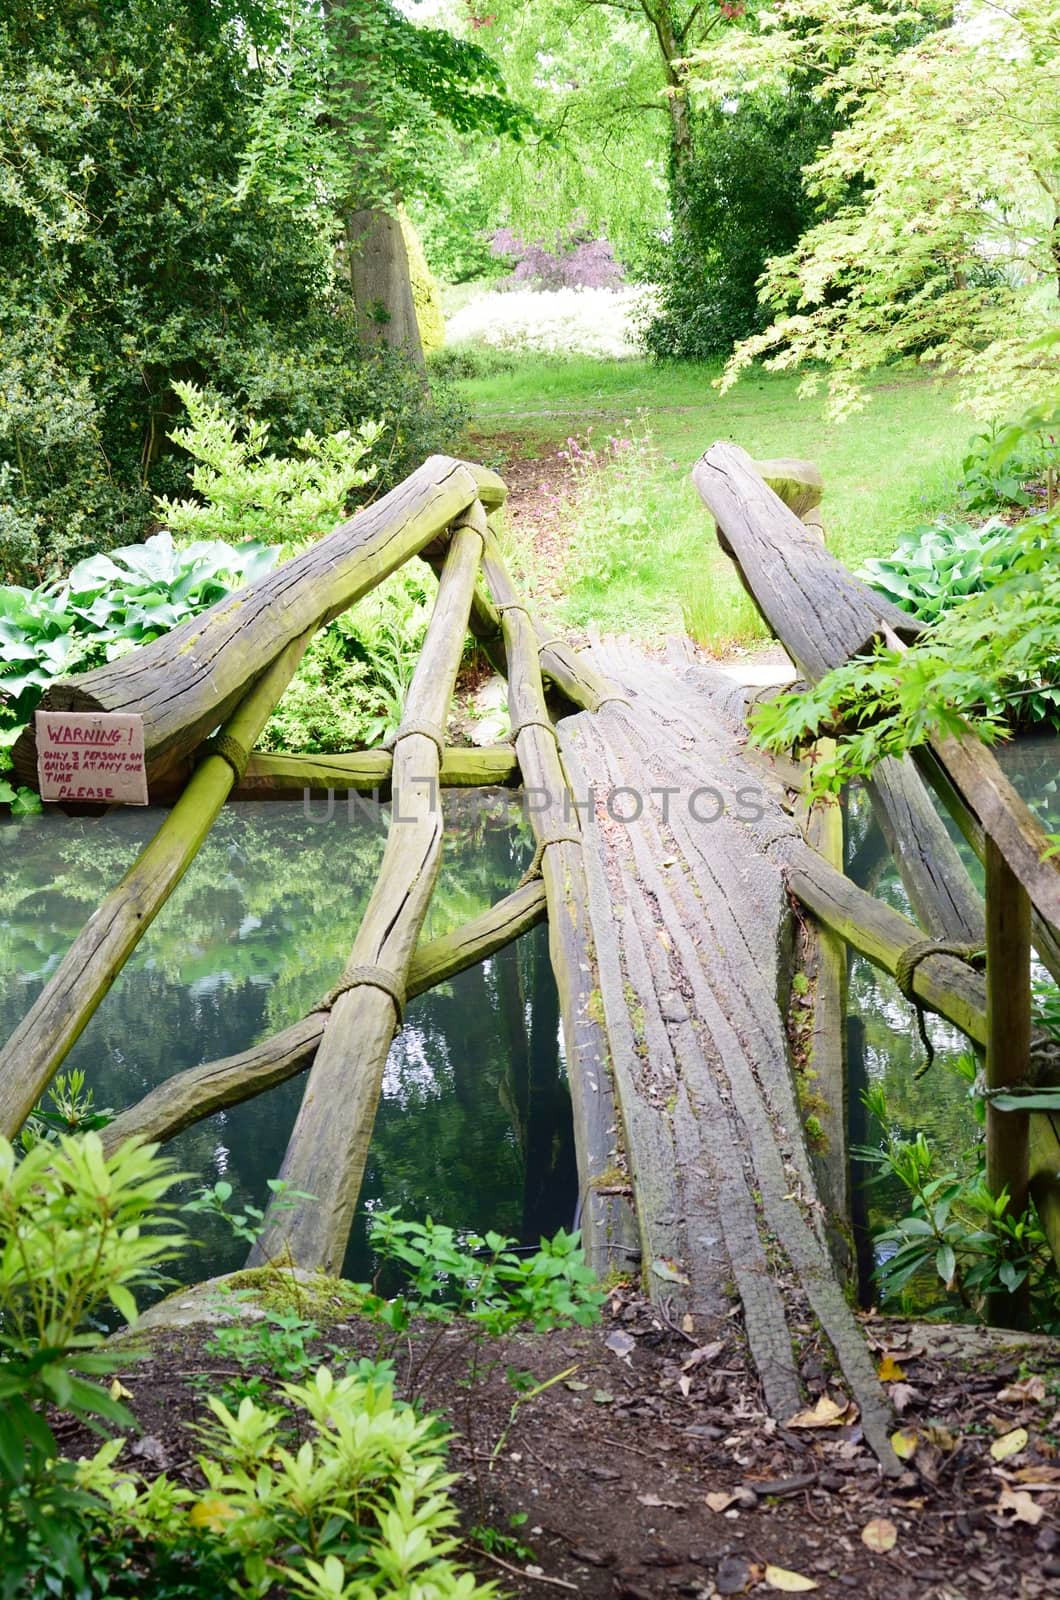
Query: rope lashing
[[548, 644], [561, 836], [905, 973], [428, 730], [611, 699], [372, 977], [533, 722], [230, 750], [503, 606]]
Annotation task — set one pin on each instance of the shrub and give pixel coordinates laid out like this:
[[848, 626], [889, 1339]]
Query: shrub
[[937, 566], [78, 1233], [108, 604], [742, 201], [360, 1508], [245, 493]]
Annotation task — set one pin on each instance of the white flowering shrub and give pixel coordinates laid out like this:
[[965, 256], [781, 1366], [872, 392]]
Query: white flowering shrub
[[582, 322]]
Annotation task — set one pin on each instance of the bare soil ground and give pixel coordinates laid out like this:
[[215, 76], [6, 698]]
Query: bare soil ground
[[651, 1470]]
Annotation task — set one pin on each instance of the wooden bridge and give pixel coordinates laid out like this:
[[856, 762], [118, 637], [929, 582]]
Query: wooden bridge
[[684, 879]]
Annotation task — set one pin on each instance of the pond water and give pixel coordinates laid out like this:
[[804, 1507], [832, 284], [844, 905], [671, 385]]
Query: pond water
[[474, 1127], [884, 1044]]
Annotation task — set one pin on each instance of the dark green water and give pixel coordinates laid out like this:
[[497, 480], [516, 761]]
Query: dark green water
[[885, 1047], [474, 1127]]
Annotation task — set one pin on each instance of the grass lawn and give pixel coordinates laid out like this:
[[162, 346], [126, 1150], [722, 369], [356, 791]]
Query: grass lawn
[[643, 551]]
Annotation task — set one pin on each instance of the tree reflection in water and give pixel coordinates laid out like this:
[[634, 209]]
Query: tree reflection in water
[[474, 1127]]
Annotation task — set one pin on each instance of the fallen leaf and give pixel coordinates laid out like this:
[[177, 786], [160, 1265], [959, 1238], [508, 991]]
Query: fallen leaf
[[1010, 1444], [1020, 1503], [704, 1352], [668, 1272], [880, 1535], [939, 1436], [719, 1501], [601, 1397], [653, 1502], [825, 1414], [118, 1391], [1028, 1389], [621, 1344], [576, 1384], [903, 1395], [687, 1325], [889, 1371], [789, 1582], [904, 1443], [684, 1383]]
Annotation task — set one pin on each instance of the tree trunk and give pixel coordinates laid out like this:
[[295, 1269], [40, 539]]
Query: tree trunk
[[382, 286]]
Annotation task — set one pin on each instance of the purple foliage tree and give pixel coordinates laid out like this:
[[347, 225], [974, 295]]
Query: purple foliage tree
[[580, 260]]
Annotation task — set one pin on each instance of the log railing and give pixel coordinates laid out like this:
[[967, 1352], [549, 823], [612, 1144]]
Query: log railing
[[823, 616]]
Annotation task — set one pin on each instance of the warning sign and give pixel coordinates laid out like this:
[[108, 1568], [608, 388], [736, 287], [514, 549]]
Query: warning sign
[[95, 756]]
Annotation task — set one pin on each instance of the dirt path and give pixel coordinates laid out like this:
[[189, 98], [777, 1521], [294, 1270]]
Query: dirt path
[[652, 1470]]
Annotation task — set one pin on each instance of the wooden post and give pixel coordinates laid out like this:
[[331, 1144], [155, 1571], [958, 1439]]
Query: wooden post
[[328, 1147], [826, 968], [1008, 1046]]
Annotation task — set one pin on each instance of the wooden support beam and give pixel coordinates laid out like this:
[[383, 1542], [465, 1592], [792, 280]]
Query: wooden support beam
[[188, 681], [554, 816], [826, 968], [1008, 1047], [1046, 940], [281, 777], [190, 1096], [823, 615], [818, 610], [941, 983], [328, 1147], [62, 1011]]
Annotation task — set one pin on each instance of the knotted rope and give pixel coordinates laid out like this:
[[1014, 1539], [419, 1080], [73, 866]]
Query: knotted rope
[[561, 836], [905, 973], [374, 978], [428, 730], [230, 750], [533, 722]]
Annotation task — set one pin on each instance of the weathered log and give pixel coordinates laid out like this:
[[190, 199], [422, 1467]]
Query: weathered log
[[1006, 819], [825, 965], [270, 777], [1046, 939], [823, 615], [605, 1221], [328, 1146], [940, 890], [817, 609], [189, 1096], [708, 910], [942, 983], [187, 682], [1008, 1024]]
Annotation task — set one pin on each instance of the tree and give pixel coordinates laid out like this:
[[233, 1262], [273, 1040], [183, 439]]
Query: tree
[[618, 130], [745, 201], [944, 238], [363, 107]]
